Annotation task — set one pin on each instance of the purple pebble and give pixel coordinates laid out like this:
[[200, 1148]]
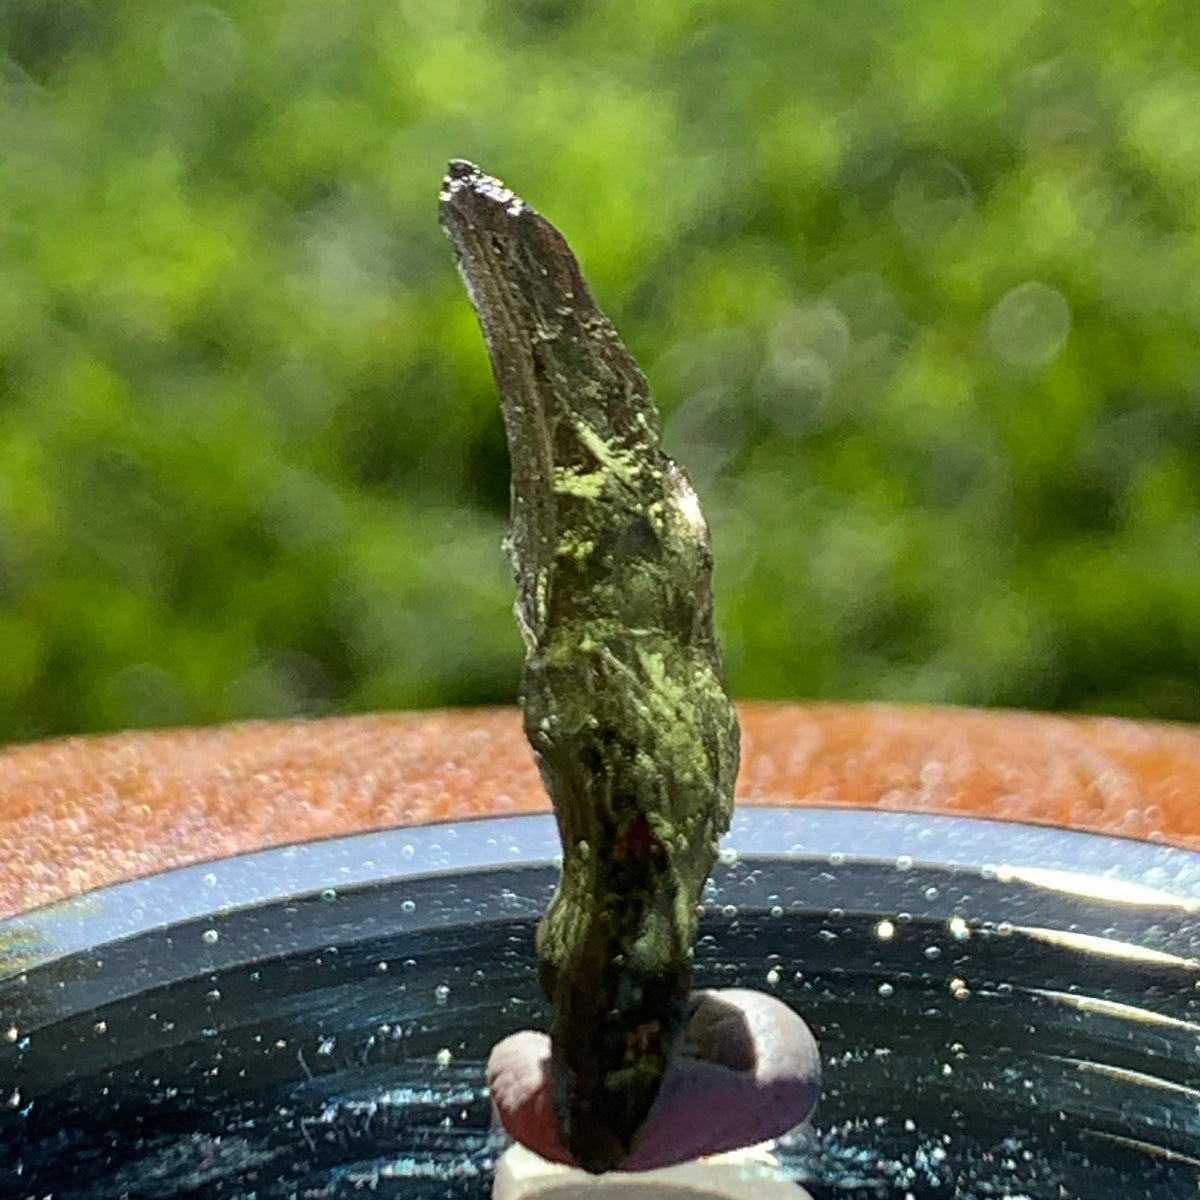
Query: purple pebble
[[747, 1069]]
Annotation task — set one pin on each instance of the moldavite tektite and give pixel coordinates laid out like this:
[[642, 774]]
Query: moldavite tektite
[[635, 738]]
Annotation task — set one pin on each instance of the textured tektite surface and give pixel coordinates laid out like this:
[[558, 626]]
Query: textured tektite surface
[[635, 738]]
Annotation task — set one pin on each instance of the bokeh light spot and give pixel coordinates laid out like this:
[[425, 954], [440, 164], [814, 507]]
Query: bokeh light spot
[[201, 47], [1028, 325]]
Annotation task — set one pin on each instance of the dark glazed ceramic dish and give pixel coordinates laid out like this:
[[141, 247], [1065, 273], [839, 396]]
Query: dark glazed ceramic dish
[[1003, 1010]]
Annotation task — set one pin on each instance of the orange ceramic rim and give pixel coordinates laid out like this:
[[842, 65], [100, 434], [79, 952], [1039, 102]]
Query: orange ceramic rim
[[79, 813]]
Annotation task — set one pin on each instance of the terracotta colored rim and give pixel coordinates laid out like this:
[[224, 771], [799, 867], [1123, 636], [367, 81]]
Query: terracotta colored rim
[[80, 813]]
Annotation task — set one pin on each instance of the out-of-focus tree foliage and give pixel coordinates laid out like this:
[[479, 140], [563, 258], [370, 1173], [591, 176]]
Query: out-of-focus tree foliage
[[917, 287]]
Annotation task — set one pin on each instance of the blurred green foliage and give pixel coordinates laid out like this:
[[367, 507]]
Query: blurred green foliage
[[917, 287]]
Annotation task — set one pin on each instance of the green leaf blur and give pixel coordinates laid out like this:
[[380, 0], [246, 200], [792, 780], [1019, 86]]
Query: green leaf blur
[[917, 287]]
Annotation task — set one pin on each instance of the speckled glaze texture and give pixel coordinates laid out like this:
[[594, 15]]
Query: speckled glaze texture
[[79, 813]]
